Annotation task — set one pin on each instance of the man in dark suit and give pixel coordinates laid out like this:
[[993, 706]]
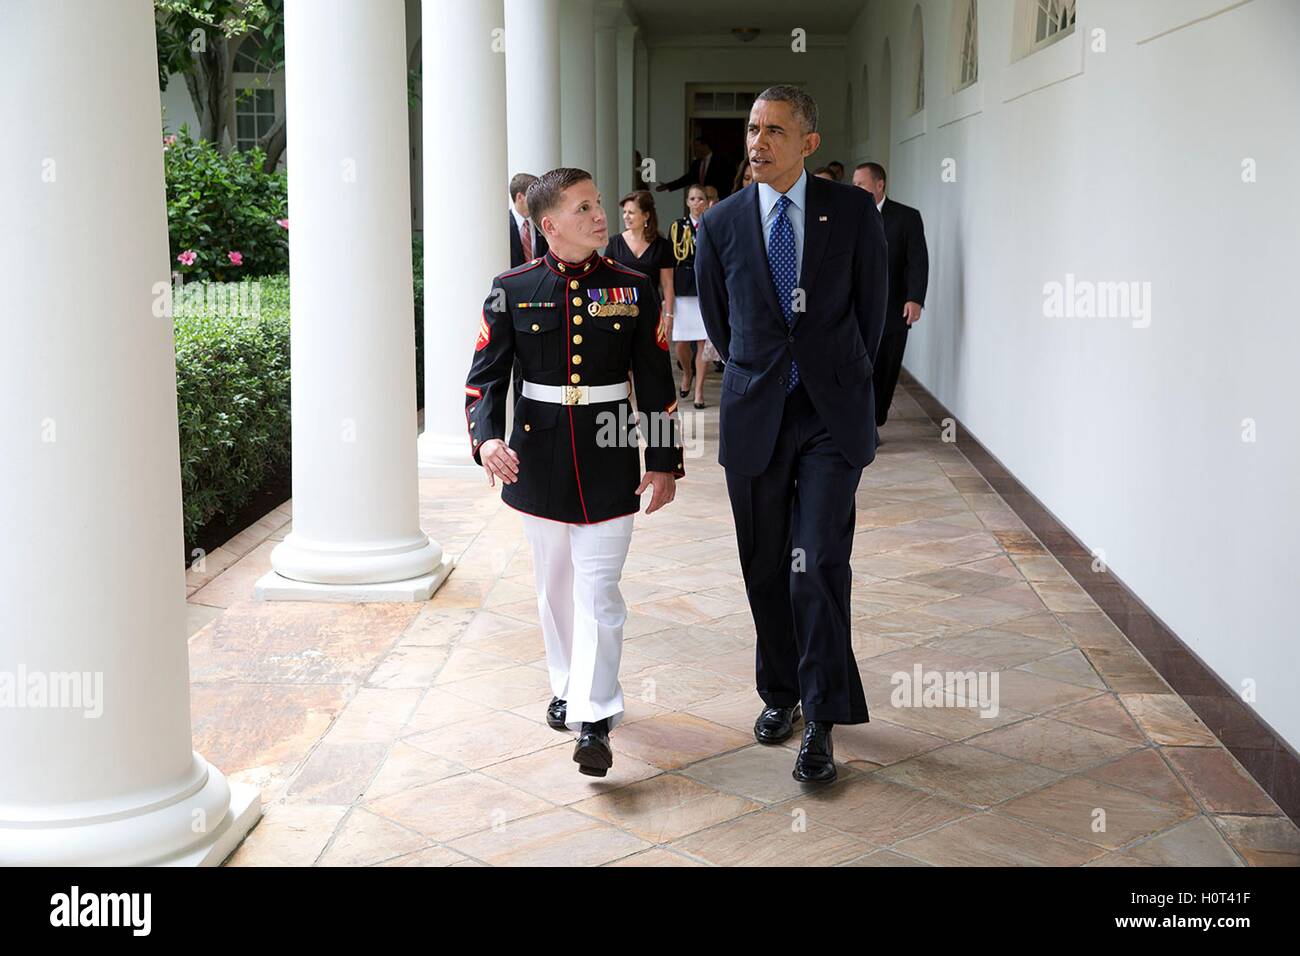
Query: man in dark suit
[[909, 274], [707, 169], [791, 278], [526, 243]]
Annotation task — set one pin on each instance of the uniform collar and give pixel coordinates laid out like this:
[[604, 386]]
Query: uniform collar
[[572, 270]]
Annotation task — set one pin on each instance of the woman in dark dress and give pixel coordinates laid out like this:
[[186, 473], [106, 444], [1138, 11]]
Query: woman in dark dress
[[639, 246]]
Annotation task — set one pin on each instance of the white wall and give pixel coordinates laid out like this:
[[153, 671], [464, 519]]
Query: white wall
[[177, 107], [1130, 169], [674, 64]]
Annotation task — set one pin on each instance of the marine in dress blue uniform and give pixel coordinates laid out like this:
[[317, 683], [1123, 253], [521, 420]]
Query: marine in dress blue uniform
[[588, 338], [573, 326]]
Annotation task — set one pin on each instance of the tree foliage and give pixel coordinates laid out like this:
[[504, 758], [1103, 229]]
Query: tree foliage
[[193, 39]]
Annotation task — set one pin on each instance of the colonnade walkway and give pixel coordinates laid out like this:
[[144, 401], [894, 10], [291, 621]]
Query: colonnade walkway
[[414, 734]]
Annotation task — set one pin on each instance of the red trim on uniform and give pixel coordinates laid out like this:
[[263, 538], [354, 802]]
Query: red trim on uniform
[[533, 264], [474, 392], [618, 266], [568, 361], [472, 447], [558, 521], [573, 270], [574, 445]]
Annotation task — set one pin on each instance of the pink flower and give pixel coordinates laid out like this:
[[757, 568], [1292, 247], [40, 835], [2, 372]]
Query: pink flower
[[236, 257], [169, 141], [187, 257], [282, 223]]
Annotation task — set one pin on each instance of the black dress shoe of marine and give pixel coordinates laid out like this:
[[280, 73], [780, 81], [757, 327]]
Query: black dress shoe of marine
[[816, 760], [592, 753], [555, 713], [775, 724]]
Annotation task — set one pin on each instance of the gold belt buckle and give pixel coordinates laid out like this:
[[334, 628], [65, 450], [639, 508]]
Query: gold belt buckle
[[575, 395]]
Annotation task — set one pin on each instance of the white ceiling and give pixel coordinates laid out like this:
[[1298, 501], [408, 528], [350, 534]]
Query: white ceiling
[[665, 18]]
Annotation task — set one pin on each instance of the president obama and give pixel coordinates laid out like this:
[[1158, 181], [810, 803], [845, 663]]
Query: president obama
[[791, 276]]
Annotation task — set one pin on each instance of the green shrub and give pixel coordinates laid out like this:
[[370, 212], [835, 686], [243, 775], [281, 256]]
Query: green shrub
[[232, 397], [222, 203], [232, 391]]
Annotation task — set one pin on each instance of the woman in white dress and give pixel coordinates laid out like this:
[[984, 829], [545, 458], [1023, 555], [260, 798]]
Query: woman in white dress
[[688, 323]]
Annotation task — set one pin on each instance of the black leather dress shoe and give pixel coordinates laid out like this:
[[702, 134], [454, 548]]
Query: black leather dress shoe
[[555, 714], [816, 760], [775, 724], [592, 753]]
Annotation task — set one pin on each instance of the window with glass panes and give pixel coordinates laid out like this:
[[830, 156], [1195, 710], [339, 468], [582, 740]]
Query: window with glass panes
[[254, 116], [1052, 19], [969, 68], [918, 51]]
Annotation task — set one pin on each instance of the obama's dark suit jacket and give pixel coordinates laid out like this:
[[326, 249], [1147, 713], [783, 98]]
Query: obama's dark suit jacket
[[834, 340]]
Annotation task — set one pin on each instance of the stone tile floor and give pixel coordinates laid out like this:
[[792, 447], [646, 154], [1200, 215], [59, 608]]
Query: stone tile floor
[[413, 734]]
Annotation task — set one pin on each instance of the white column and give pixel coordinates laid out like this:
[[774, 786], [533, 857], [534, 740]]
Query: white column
[[641, 94], [578, 89], [96, 765], [607, 163], [460, 256], [356, 518], [533, 85], [626, 105]]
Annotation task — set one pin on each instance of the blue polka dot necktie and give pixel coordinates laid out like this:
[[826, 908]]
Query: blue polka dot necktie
[[782, 263]]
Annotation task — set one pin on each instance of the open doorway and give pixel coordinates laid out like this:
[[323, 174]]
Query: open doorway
[[718, 113]]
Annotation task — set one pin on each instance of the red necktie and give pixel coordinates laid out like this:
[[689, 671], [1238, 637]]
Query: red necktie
[[526, 237]]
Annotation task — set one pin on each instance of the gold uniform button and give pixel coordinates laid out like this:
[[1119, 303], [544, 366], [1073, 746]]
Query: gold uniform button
[[575, 378], [577, 301], [577, 340], [617, 326], [577, 320], [573, 283], [536, 327], [577, 360], [472, 424], [560, 266], [528, 428]]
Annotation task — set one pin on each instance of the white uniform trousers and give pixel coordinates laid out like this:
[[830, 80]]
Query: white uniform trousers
[[577, 568]]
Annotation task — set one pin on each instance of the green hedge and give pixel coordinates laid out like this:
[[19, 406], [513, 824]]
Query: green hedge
[[232, 396], [232, 391], [223, 204]]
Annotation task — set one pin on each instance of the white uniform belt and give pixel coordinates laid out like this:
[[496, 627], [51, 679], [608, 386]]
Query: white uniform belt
[[575, 394]]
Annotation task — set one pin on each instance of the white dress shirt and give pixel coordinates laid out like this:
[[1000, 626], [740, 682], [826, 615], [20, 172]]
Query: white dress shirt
[[767, 197], [519, 226]]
